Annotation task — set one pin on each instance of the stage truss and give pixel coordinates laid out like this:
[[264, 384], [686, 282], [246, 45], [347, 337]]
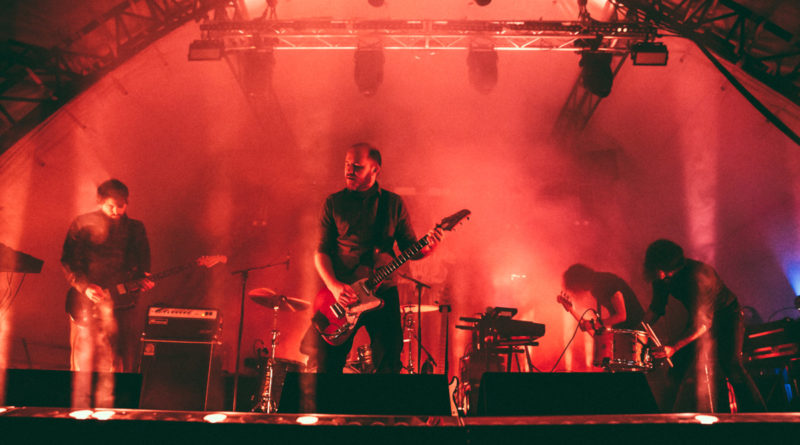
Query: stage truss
[[426, 35]]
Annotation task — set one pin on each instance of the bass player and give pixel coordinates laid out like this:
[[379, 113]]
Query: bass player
[[102, 248]]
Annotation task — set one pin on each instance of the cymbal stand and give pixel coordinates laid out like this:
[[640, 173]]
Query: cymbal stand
[[265, 403], [419, 285], [244, 273], [408, 324], [408, 337]]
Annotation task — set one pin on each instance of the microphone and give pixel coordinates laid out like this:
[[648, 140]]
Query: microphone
[[288, 258]]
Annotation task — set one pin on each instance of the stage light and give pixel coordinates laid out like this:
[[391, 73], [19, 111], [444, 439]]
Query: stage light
[[376, 3], [482, 69], [482, 2], [369, 69], [103, 415], [256, 71], [206, 50], [215, 418], [81, 414], [307, 420], [706, 420], [649, 53], [596, 73]]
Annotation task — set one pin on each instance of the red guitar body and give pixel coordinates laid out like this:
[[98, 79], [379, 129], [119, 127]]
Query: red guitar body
[[336, 323]]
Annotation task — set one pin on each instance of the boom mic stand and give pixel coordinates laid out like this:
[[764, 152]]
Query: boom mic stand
[[244, 273]]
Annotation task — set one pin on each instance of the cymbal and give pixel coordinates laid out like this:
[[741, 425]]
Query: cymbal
[[424, 308], [268, 298]]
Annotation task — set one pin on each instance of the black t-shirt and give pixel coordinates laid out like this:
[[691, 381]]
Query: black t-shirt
[[701, 291], [604, 286], [349, 231], [103, 251]]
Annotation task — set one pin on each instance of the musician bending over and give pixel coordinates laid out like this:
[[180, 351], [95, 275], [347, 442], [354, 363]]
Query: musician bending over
[[609, 292], [360, 226], [712, 342]]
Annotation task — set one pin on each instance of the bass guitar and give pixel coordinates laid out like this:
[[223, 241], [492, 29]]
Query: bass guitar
[[564, 300], [336, 323], [123, 295]]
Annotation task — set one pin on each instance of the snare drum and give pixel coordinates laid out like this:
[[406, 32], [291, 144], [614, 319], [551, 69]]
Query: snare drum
[[621, 350]]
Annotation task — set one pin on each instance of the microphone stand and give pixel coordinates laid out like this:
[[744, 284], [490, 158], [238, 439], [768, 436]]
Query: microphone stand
[[445, 308], [244, 273], [419, 285]]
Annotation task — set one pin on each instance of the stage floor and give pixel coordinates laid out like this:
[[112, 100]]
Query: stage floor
[[42, 424]]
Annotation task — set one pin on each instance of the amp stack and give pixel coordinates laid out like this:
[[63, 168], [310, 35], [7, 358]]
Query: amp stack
[[181, 365]]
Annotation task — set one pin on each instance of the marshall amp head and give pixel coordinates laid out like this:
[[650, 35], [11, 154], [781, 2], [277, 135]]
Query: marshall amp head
[[191, 324]]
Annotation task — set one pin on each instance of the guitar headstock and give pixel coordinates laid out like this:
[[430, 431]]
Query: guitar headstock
[[211, 260], [564, 300], [453, 220]]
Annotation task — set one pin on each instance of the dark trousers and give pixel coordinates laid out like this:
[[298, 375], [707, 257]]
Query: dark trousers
[[693, 369], [130, 324], [385, 333]]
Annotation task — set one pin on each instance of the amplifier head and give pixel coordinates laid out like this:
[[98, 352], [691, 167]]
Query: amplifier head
[[172, 323]]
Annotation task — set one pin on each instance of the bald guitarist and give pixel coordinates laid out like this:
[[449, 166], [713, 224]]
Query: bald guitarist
[[360, 225]]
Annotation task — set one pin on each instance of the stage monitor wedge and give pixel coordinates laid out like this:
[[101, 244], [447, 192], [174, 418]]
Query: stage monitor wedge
[[564, 393], [369, 394]]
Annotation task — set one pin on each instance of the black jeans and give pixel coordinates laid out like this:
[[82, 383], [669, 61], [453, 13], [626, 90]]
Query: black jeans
[[723, 361], [385, 333]]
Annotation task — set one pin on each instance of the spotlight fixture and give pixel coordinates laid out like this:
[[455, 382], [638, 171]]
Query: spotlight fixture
[[206, 50], [376, 3], [596, 72], [368, 70], [649, 53], [482, 68], [482, 2], [256, 71]]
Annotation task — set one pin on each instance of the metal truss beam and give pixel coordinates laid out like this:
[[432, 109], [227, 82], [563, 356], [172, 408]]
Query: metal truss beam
[[425, 35], [734, 32], [50, 77]]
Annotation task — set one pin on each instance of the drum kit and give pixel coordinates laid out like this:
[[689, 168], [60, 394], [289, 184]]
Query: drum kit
[[621, 350], [615, 350], [618, 350]]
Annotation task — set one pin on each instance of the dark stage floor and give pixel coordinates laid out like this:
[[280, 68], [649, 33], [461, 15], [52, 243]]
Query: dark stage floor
[[52, 425]]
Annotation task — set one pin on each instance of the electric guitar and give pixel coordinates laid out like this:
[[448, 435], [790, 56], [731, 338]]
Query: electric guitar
[[123, 295], [334, 322], [564, 300]]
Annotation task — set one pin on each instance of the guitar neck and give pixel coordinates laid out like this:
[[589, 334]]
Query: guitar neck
[[383, 272], [170, 272]]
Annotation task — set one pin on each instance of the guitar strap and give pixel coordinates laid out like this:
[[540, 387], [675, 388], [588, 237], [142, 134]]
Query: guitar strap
[[381, 224]]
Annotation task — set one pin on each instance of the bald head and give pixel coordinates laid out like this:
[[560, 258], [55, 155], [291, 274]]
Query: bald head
[[362, 163]]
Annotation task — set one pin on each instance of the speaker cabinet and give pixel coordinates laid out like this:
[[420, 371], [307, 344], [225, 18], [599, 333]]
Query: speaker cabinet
[[181, 375], [375, 394], [37, 387], [574, 393]]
